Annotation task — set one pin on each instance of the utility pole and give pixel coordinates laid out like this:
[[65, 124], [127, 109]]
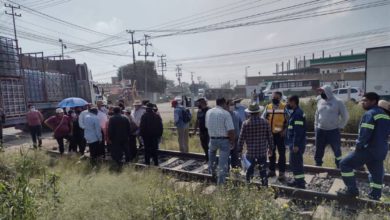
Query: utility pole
[[146, 55], [133, 42], [163, 65], [179, 74], [13, 14], [63, 46]]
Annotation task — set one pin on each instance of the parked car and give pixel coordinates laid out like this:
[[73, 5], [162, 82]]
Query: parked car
[[356, 94]]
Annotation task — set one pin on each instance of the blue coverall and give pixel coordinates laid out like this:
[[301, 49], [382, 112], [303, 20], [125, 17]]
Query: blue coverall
[[371, 150], [296, 137]]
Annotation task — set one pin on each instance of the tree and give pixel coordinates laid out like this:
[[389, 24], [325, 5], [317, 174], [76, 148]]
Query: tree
[[156, 83]]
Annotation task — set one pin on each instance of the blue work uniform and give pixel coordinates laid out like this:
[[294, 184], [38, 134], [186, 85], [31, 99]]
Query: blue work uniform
[[296, 137], [371, 150]]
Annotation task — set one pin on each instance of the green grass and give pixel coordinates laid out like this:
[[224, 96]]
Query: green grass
[[35, 186]]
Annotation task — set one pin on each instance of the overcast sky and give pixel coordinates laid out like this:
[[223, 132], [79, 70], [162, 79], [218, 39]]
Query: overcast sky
[[115, 16]]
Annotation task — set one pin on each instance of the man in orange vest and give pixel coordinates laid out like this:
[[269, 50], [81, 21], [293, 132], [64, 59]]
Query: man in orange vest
[[276, 116]]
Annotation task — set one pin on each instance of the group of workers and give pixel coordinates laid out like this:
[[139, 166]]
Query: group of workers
[[227, 128]]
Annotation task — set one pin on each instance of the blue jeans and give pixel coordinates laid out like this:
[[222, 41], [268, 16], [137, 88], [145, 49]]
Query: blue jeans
[[223, 146], [357, 159], [323, 138]]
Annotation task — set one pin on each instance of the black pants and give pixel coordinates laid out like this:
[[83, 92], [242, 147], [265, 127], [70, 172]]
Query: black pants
[[133, 147], [262, 162], [205, 141], [79, 142], [151, 149], [118, 148], [279, 143], [234, 158], [36, 133], [60, 141], [94, 151], [1, 134], [102, 148]]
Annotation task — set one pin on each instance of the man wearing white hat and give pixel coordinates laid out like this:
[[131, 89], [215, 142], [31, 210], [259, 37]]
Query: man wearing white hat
[[256, 133]]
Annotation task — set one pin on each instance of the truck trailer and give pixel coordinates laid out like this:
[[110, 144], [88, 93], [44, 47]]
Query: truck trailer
[[32, 78], [377, 78]]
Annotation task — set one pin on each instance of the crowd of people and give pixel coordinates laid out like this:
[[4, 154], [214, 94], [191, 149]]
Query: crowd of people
[[270, 130], [246, 137]]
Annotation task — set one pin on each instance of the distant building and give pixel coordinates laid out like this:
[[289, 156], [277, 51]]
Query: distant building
[[338, 71]]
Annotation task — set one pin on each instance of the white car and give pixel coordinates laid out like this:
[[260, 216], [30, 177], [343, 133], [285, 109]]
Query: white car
[[356, 94]]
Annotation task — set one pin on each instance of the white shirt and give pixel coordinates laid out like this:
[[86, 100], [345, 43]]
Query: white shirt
[[137, 115], [82, 116], [102, 119], [219, 122]]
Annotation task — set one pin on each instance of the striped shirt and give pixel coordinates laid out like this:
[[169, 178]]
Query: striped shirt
[[219, 122], [256, 133]]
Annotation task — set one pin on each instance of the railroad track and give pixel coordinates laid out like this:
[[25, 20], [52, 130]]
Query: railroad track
[[347, 139], [322, 183]]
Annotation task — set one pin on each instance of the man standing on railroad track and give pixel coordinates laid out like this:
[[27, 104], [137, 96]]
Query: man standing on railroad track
[[151, 130], [330, 117], [201, 124], [257, 134], [182, 118], [371, 149], [296, 141], [221, 131], [276, 117]]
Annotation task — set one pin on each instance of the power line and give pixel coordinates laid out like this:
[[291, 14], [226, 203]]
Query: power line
[[279, 18]]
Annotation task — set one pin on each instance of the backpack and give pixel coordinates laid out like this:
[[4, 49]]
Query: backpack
[[186, 115]]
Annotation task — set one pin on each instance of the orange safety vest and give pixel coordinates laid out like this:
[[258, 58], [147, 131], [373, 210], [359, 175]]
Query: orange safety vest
[[276, 117]]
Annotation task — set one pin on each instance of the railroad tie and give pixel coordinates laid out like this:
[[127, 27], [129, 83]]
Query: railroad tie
[[171, 160], [179, 167], [308, 178], [323, 212], [336, 186], [200, 169]]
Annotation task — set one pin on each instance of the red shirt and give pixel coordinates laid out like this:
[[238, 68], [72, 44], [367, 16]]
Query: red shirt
[[61, 126], [34, 118]]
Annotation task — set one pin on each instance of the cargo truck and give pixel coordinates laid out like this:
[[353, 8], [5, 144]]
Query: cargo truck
[[31, 78], [377, 78]]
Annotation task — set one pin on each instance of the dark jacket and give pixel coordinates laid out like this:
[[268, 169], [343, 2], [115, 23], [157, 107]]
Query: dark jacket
[[296, 132], [2, 117], [151, 125], [374, 130], [118, 128]]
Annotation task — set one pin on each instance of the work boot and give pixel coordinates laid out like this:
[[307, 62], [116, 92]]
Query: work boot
[[296, 184], [282, 177], [40, 142], [348, 193], [372, 197], [271, 174]]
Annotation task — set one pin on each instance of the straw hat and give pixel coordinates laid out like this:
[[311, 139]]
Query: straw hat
[[137, 103], [59, 110], [384, 104], [254, 108]]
